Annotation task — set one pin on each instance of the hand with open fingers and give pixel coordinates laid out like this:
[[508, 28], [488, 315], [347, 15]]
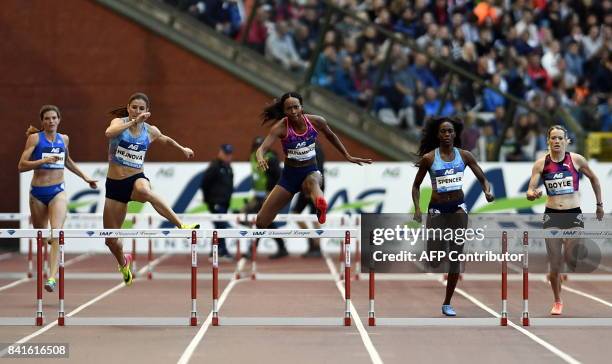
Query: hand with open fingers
[[262, 163], [358, 160]]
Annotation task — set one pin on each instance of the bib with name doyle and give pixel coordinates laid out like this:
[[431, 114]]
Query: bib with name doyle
[[559, 183], [131, 154]]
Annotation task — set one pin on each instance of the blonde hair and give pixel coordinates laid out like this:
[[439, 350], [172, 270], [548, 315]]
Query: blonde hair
[[33, 130]]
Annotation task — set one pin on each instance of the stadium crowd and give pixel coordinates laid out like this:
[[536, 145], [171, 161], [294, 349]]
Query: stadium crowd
[[549, 53]]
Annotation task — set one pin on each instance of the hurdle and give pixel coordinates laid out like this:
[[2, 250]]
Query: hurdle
[[446, 321], [343, 220], [66, 320], [558, 321], [38, 320], [217, 320]]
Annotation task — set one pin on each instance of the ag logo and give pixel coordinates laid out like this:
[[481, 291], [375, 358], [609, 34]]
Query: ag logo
[[558, 175], [133, 146], [449, 171]]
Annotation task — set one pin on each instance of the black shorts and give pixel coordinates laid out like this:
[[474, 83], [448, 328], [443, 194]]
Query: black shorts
[[563, 219], [121, 189], [442, 217]]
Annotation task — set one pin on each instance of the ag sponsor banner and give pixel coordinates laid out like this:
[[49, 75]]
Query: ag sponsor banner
[[380, 187]]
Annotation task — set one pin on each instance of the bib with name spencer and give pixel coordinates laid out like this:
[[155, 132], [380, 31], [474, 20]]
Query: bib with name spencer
[[560, 178], [129, 150], [447, 176], [45, 148]]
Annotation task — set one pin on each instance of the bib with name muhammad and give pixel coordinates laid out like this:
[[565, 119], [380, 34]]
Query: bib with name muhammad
[[129, 150], [45, 149], [560, 178], [447, 176]]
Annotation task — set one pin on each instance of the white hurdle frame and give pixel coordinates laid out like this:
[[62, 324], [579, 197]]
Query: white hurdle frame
[[347, 234], [39, 234]]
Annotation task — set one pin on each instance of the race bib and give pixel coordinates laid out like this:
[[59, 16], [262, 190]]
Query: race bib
[[302, 153], [448, 180], [54, 152], [130, 154], [560, 183]]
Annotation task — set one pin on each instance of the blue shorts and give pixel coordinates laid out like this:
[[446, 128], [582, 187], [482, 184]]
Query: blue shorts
[[292, 177], [45, 194]]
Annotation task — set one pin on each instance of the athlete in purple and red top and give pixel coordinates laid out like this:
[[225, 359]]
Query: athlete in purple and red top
[[560, 170], [297, 132]]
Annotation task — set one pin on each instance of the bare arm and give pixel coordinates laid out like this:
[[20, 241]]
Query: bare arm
[[424, 166], [321, 125], [72, 166], [532, 191], [469, 159], [583, 167], [277, 132], [157, 135], [25, 164]]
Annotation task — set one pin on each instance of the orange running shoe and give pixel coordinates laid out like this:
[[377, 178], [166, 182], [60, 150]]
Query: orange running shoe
[[321, 207], [557, 308]]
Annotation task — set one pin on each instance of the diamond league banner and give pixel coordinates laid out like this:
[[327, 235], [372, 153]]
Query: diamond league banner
[[378, 188]]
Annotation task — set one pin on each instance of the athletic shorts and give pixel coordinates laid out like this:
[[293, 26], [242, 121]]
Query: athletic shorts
[[45, 194], [292, 177], [443, 216], [121, 189], [563, 219]]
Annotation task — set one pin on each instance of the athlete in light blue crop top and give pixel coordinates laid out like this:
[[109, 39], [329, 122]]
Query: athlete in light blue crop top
[[129, 139], [442, 157], [46, 153]]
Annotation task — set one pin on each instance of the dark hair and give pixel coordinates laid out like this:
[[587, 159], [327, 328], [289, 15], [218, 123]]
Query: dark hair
[[276, 110], [33, 130], [559, 127], [430, 141], [122, 112]]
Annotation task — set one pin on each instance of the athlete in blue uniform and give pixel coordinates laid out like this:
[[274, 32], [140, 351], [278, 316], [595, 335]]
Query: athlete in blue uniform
[[129, 139], [560, 171], [442, 157], [46, 152]]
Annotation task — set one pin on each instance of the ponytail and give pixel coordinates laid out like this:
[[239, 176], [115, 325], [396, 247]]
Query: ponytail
[[122, 112], [33, 130], [276, 111]]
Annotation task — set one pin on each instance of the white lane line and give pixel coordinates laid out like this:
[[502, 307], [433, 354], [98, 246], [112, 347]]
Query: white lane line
[[80, 308], [583, 294], [561, 354], [23, 280], [189, 350], [13, 284], [367, 342], [6, 256]]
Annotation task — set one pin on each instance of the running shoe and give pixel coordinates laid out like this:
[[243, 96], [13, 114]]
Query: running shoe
[[126, 270], [448, 310], [557, 308], [321, 207], [50, 285], [190, 226]]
